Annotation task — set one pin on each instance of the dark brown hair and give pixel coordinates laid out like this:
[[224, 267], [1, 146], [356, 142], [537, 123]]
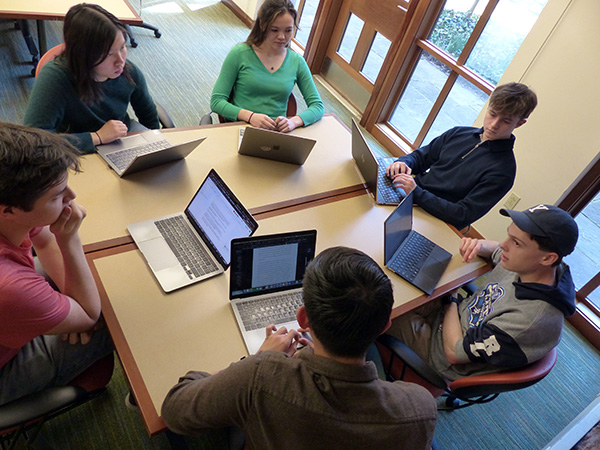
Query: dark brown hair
[[89, 33], [268, 12], [513, 99], [31, 162]]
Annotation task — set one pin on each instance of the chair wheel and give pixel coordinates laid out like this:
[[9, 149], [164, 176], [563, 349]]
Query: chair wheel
[[452, 403], [157, 34]]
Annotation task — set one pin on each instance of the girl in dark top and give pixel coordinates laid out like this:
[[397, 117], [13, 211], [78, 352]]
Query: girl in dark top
[[87, 89]]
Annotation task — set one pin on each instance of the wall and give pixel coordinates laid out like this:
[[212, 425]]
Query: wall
[[559, 61], [249, 7]]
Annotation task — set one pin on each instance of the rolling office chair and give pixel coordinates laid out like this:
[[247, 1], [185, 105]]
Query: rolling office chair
[[25, 416], [163, 115], [400, 362], [292, 108], [23, 25]]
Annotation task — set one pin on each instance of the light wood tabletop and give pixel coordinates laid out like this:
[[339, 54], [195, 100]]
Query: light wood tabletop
[[261, 185], [159, 337], [57, 9]]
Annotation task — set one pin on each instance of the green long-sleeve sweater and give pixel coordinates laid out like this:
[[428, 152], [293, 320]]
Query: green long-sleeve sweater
[[256, 89], [54, 104]]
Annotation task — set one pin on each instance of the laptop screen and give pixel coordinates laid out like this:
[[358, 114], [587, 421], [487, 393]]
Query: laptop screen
[[397, 227], [265, 264], [219, 217]]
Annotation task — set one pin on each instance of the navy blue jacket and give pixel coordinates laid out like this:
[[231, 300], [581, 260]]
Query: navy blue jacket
[[458, 184]]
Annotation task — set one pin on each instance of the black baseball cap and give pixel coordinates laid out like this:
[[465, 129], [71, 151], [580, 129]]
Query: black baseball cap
[[547, 221]]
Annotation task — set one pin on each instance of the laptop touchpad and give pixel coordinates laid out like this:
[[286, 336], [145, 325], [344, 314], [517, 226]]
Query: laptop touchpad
[[158, 254]]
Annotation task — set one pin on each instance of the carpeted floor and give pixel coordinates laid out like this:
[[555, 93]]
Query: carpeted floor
[[181, 68]]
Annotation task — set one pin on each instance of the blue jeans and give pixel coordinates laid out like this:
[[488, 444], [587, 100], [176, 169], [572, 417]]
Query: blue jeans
[[48, 361]]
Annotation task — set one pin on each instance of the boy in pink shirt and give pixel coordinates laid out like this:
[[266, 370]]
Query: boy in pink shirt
[[47, 323]]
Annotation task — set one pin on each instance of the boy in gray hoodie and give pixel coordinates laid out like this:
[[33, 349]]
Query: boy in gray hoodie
[[516, 316]]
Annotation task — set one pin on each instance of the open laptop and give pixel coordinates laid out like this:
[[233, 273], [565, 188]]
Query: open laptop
[[283, 147], [188, 247], [265, 284], [410, 254], [372, 170], [142, 151]]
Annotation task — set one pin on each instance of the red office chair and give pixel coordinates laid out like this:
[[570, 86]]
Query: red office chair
[[163, 115], [25, 416], [400, 362]]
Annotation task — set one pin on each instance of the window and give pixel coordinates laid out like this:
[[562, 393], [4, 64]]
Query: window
[[306, 16], [375, 57], [584, 261], [468, 49]]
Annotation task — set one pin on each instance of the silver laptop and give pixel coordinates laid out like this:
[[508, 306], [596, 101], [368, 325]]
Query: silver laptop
[[283, 147], [265, 284], [372, 170], [409, 254], [142, 151], [188, 247]]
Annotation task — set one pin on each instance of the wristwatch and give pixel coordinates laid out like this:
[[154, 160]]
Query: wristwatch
[[451, 299]]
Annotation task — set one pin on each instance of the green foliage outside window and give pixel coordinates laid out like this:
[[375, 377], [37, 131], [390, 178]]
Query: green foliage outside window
[[492, 53], [452, 31]]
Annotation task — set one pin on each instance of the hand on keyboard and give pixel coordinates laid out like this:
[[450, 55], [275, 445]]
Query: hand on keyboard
[[397, 167], [282, 340], [405, 182]]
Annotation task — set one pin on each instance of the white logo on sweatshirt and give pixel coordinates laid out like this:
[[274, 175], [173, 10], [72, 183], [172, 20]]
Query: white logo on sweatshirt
[[489, 345]]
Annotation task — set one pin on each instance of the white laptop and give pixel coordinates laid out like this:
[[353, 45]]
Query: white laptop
[[142, 151], [373, 169], [283, 147], [265, 284], [188, 247]]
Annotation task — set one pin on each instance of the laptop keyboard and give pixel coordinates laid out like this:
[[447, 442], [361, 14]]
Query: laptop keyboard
[[123, 158], [387, 193], [185, 245], [258, 313], [412, 255]]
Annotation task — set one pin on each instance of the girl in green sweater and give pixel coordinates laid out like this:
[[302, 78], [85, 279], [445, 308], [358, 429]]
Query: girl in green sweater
[[258, 75]]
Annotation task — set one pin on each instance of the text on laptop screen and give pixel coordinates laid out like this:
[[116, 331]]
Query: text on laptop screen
[[271, 263], [218, 215], [397, 227]]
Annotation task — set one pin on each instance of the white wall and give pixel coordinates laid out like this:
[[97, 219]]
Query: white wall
[[560, 61], [250, 7]]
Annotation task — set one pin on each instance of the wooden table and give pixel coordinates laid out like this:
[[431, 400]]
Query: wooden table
[[261, 185], [42, 10], [159, 337]]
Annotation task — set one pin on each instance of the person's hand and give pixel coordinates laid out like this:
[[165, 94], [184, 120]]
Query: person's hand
[[306, 339], [282, 340], [262, 121], [84, 337], [404, 181], [68, 223], [74, 338], [111, 131], [284, 125], [396, 168], [469, 248]]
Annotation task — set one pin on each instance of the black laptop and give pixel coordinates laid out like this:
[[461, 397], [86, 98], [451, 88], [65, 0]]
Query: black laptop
[[409, 254]]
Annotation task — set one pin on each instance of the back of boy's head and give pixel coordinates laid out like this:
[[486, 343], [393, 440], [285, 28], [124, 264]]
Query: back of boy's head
[[348, 300], [31, 162], [513, 99]]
